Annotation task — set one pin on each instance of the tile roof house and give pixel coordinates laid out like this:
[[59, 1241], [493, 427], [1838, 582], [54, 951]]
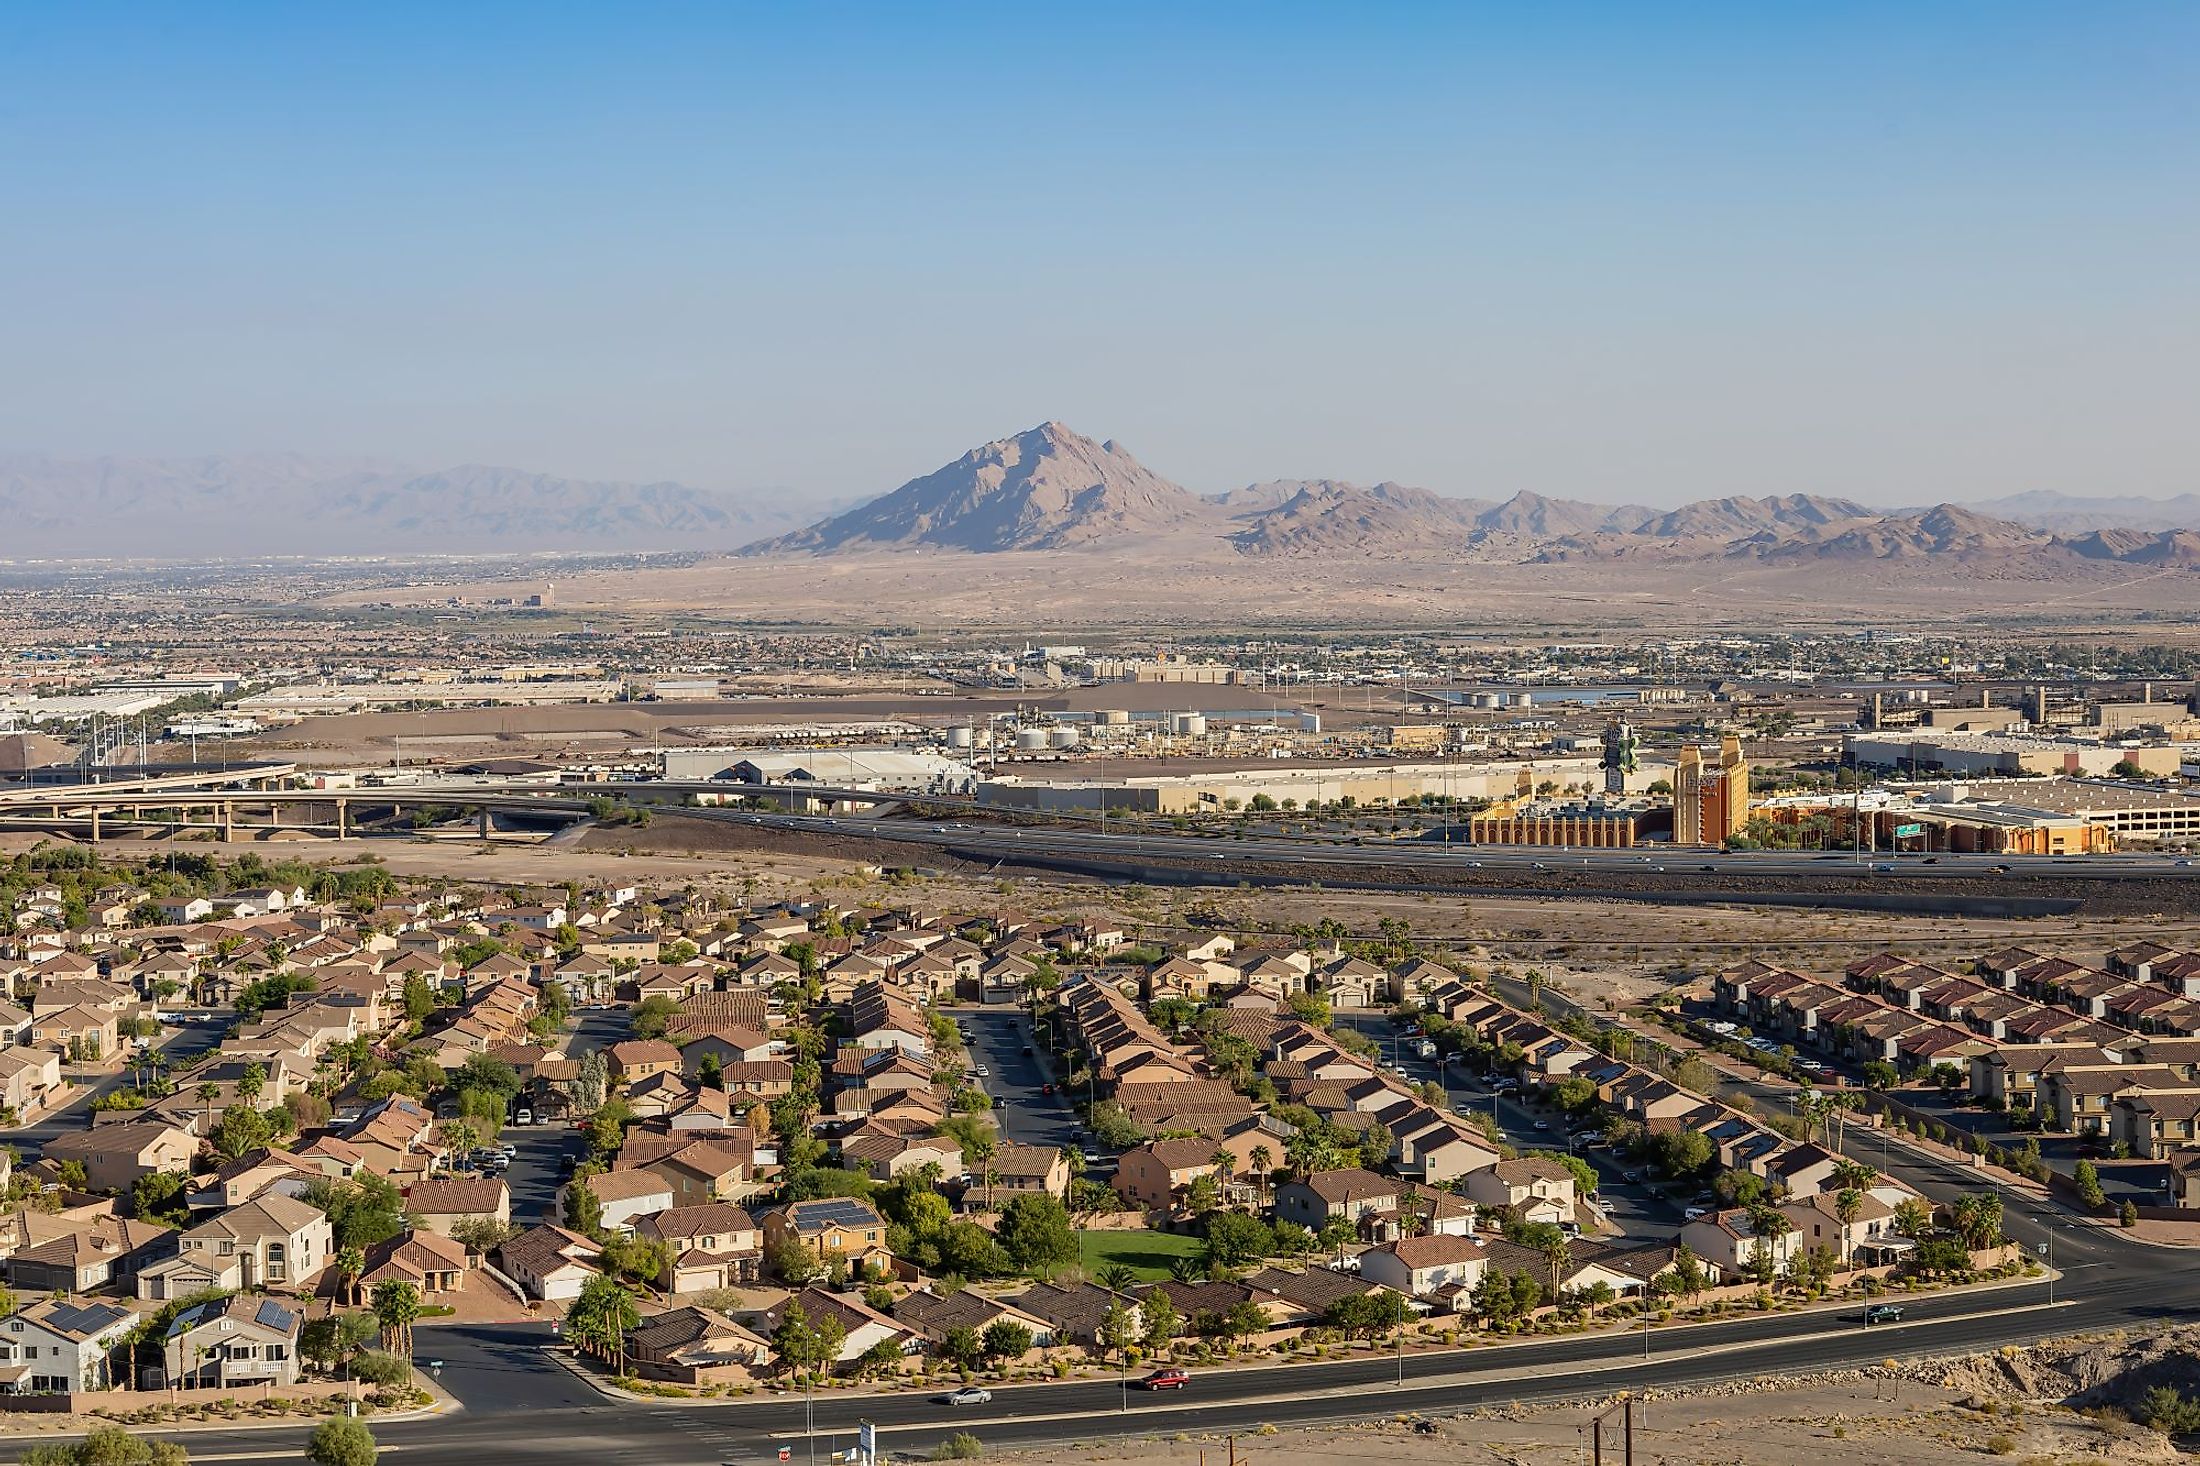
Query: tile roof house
[[932, 1315], [430, 1262], [443, 1203], [61, 1345], [1348, 1195], [715, 1245], [696, 1346], [1419, 1266], [628, 1196], [231, 1341], [549, 1263]]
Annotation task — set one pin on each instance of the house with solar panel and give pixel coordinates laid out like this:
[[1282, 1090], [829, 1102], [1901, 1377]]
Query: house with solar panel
[[233, 1341], [61, 1345], [830, 1227]]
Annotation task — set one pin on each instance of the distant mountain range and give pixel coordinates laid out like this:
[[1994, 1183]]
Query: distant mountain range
[[1046, 489], [1051, 488], [291, 505]]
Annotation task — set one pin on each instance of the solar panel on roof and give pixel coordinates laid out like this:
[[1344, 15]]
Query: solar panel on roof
[[271, 1314], [72, 1318], [839, 1211]]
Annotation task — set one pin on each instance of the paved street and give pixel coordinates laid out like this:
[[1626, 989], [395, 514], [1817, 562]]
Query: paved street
[[181, 1044], [998, 1038], [1640, 1212]]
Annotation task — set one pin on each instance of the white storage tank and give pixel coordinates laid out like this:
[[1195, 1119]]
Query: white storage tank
[[1487, 700], [1112, 718], [1064, 736], [1031, 740], [1523, 699], [1188, 725], [960, 737]]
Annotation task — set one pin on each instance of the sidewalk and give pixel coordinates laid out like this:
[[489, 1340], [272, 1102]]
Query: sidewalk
[[440, 1402]]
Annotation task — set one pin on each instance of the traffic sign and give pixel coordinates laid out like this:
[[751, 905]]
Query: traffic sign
[[1907, 832]]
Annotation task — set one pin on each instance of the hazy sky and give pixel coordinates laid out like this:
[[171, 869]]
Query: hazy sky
[[1902, 252]]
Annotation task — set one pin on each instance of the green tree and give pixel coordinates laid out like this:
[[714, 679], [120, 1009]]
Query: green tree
[[1162, 1321], [1035, 1231], [600, 1317], [342, 1442], [652, 1017], [162, 1196], [803, 1346], [2087, 1177], [1006, 1339], [961, 1346]]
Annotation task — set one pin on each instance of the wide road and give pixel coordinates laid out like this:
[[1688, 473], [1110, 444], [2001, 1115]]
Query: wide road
[[520, 1406]]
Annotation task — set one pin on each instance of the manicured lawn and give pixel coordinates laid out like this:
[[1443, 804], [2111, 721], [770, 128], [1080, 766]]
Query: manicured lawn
[[1146, 1253]]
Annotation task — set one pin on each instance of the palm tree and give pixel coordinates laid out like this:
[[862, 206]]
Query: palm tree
[[1848, 1206], [992, 1179], [1853, 1175], [1262, 1160], [1560, 1257], [208, 1093], [350, 1263], [396, 1307], [1118, 1277], [1225, 1165]]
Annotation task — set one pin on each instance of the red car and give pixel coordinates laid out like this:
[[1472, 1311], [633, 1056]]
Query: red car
[[1166, 1379]]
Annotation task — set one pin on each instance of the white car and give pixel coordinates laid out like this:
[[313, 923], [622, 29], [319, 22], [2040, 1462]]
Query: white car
[[971, 1395], [1694, 1214]]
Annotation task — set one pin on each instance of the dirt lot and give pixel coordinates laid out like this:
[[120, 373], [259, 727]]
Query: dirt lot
[[2064, 1401], [1860, 1423], [1598, 950]]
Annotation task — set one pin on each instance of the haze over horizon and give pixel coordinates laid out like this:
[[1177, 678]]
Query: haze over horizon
[[1894, 256]]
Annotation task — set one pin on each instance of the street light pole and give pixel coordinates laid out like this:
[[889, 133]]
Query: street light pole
[[809, 1411]]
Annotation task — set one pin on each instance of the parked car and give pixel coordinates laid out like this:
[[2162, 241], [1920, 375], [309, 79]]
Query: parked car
[[1166, 1379], [524, 1117], [1694, 1213], [971, 1395]]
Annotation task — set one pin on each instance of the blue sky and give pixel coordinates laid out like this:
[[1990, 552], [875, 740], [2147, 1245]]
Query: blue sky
[[1622, 252]]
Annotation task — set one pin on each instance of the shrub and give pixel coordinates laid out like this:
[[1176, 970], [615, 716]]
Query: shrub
[[377, 1368], [961, 1446]]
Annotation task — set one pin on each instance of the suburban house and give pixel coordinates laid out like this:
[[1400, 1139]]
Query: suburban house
[[627, 1196], [274, 1242], [430, 1262], [933, 1314], [61, 1345], [1531, 1188], [830, 1227], [1725, 1241], [442, 1204], [695, 1346], [716, 1245], [549, 1263], [1420, 1266], [1155, 1174], [1348, 1195], [238, 1340], [115, 1156]]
